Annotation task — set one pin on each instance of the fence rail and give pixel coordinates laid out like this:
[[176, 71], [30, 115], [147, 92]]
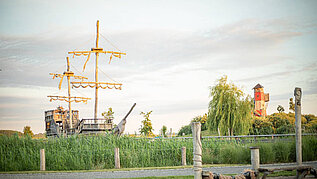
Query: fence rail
[[240, 136]]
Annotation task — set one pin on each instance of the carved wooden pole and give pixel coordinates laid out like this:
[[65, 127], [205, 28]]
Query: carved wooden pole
[[196, 129], [298, 129], [42, 160], [184, 156]]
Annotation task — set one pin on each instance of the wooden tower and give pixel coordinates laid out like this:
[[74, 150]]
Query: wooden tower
[[260, 99], [96, 84]]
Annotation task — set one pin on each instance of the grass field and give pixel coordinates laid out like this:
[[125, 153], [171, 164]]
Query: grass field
[[97, 152]]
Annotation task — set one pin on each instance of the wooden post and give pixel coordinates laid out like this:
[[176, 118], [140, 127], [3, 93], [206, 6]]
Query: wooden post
[[184, 156], [42, 160], [298, 96], [171, 132], [196, 129], [255, 158], [117, 158]]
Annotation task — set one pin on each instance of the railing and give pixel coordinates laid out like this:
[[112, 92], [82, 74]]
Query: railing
[[238, 137], [95, 125]]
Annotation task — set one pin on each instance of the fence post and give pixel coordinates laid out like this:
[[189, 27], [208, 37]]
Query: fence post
[[117, 158], [298, 130], [184, 156], [255, 158], [42, 160], [196, 129]]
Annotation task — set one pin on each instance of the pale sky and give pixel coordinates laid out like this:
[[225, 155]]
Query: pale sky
[[175, 51]]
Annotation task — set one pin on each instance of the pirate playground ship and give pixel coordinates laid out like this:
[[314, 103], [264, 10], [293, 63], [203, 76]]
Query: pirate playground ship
[[65, 122]]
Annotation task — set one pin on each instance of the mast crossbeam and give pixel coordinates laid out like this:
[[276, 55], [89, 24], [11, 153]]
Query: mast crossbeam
[[69, 99], [102, 85], [96, 50], [68, 74]]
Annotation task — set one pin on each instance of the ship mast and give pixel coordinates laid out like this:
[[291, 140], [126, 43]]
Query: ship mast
[[68, 98], [96, 73], [96, 84]]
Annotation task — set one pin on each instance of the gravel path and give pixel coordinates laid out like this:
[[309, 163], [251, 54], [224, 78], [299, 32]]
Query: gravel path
[[140, 173]]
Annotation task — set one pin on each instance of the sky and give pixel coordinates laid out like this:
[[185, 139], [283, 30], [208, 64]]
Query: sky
[[176, 50]]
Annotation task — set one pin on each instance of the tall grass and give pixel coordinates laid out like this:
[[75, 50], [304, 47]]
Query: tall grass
[[97, 152]]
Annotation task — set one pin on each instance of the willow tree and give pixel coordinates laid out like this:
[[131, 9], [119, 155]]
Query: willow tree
[[229, 110]]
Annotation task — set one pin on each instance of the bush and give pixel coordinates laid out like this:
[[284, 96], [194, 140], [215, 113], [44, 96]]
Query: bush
[[186, 130], [286, 129], [261, 126]]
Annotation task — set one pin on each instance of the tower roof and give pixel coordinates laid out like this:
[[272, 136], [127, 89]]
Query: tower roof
[[258, 86]]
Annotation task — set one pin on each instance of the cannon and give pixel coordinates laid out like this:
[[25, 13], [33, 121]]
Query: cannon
[[119, 129]]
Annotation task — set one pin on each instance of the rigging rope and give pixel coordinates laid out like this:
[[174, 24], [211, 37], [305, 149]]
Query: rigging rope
[[107, 75], [79, 92], [109, 42]]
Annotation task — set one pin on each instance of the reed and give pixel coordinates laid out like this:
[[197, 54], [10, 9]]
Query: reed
[[97, 152]]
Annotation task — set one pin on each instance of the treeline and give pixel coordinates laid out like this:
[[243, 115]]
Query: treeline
[[276, 123], [282, 123], [230, 113]]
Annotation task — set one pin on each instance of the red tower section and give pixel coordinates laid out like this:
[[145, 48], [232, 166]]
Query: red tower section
[[259, 100]]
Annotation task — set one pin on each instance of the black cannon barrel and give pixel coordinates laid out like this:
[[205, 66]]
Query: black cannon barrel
[[130, 111]]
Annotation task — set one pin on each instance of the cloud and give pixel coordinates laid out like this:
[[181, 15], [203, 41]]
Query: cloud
[[148, 49], [308, 68], [165, 70]]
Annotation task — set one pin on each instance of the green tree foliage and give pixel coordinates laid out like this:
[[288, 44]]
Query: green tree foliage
[[229, 111], [261, 126], [108, 114], [185, 129], [27, 131], [285, 129], [280, 108], [202, 120], [310, 117], [146, 127], [282, 123], [291, 105], [188, 130], [275, 117], [163, 131], [311, 124]]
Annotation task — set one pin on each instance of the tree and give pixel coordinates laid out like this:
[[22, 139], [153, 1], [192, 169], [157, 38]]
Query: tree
[[147, 128], [202, 120], [163, 131], [280, 108], [185, 129], [108, 114], [291, 105], [229, 112], [27, 131], [261, 126]]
